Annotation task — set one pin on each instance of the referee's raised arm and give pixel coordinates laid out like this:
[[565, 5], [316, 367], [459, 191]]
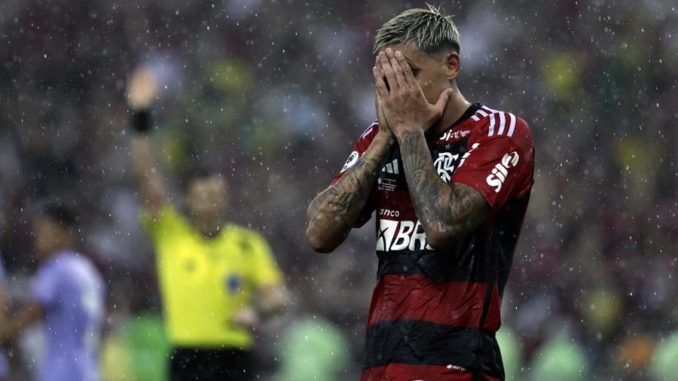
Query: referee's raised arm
[[142, 89]]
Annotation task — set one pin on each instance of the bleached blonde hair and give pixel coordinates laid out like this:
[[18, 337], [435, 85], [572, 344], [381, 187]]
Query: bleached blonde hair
[[428, 29]]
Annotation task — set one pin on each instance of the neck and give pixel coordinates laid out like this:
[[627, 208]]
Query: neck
[[56, 249], [456, 107], [207, 226]]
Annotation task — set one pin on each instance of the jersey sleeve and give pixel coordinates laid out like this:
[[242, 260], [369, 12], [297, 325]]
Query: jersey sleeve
[[499, 165], [45, 287], [263, 268], [168, 222], [359, 148]]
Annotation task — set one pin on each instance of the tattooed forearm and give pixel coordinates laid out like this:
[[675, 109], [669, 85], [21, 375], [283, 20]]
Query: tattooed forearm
[[345, 198], [446, 211], [333, 212]]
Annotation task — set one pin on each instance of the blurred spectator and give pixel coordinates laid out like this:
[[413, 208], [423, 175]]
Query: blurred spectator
[[137, 352], [511, 353], [312, 349], [664, 366], [560, 359]]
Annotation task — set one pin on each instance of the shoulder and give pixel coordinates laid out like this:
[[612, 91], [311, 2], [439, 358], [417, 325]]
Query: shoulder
[[170, 213], [167, 218], [490, 124], [50, 272], [367, 136], [361, 145], [63, 265], [242, 233]]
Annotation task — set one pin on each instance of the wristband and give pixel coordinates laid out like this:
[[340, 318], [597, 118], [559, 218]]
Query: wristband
[[141, 121]]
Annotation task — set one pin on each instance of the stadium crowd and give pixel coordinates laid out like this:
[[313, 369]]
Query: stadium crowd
[[261, 89]]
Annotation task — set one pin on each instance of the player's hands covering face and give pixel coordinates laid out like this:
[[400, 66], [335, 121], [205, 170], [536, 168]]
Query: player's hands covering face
[[404, 106], [383, 125]]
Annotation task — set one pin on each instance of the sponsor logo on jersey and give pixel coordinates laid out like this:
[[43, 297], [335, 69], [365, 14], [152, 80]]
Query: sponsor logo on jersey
[[389, 213], [444, 164], [389, 179], [401, 235], [391, 167], [500, 171], [455, 135], [352, 159]]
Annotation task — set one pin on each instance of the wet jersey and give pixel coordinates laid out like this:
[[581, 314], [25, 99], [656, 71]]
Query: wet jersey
[[433, 314]]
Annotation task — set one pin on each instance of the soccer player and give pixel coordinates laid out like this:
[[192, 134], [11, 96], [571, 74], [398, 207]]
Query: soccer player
[[217, 279], [450, 182], [68, 296]]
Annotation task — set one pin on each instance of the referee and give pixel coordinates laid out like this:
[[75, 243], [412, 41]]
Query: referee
[[217, 280]]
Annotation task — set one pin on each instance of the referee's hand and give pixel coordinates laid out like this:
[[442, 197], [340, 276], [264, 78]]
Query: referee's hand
[[142, 88]]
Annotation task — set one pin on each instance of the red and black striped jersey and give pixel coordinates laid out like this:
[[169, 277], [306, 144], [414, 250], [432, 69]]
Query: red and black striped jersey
[[433, 314]]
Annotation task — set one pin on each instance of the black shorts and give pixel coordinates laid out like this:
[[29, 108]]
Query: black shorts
[[198, 364]]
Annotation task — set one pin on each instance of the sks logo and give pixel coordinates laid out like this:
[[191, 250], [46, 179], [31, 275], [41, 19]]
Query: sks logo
[[401, 235], [500, 171]]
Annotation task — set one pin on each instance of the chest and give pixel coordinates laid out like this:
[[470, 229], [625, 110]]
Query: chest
[[199, 261], [447, 153]]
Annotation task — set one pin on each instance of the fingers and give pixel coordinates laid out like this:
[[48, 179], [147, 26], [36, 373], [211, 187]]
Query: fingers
[[380, 113], [443, 98], [379, 83], [397, 67], [384, 63], [408, 75]]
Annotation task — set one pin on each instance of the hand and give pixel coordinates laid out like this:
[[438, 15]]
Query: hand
[[404, 105], [246, 317], [142, 88], [384, 130]]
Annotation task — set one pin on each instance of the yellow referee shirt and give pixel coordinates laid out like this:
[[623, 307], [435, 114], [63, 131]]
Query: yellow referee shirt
[[204, 281]]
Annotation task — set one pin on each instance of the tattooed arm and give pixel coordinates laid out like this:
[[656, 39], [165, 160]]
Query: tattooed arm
[[447, 212], [333, 212]]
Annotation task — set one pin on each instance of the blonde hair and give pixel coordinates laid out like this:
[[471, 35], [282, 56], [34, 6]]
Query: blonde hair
[[428, 29]]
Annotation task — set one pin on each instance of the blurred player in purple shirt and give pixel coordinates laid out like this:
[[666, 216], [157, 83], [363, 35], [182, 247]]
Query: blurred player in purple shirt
[[67, 295]]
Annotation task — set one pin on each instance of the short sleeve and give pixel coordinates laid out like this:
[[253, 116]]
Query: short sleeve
[[499, 166], [45, 288], [167, 222], [264, 269], [359, 148]]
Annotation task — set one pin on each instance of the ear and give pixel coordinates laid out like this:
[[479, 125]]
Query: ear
[[452, 65]]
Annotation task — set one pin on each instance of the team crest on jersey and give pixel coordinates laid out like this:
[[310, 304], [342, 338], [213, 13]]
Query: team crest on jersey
[[444, 164]]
